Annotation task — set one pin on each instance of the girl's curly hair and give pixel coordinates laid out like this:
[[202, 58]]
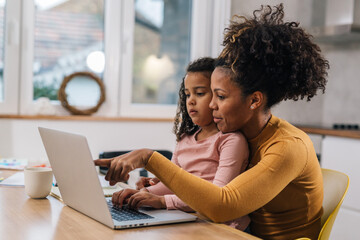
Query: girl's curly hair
[[182, 122], [279, 59]]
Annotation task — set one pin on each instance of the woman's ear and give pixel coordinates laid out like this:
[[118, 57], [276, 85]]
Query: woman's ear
[[256, 99]]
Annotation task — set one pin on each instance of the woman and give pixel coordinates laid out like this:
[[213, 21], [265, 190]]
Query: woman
[[264, 61]]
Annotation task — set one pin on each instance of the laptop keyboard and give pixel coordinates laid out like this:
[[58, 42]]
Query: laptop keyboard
[[126, 214]]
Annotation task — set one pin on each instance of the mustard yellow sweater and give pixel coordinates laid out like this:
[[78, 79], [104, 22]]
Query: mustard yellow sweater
[[282, 191]]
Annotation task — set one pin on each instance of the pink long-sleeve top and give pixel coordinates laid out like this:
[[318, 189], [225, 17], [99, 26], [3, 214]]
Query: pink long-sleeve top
[[217, 159]]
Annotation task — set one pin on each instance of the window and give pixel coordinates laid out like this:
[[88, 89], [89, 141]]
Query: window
[[185, 31], [9, 55], [2, 37], [68, 37], [161, 49], [139, 48]]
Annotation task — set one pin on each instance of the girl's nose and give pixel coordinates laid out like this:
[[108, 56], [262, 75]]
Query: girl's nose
[[191, 100]]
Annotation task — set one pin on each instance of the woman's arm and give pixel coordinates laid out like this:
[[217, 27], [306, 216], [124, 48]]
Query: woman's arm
[[243, 195]]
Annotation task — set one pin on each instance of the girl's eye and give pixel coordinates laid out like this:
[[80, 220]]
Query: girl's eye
[[187, 95], [200, 94]]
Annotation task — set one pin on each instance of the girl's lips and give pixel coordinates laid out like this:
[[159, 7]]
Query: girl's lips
[[192, 112]]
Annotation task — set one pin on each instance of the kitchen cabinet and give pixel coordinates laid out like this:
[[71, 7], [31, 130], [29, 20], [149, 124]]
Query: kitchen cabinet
[[343, 154]]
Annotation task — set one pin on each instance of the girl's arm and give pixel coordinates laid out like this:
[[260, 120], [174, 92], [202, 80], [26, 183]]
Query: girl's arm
[[159, 189], [233, 158]]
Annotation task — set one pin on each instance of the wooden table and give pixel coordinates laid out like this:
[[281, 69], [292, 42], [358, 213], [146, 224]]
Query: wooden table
[[24, 218]]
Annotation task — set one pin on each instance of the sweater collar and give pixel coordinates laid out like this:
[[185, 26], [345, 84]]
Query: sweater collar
[[266, 133]]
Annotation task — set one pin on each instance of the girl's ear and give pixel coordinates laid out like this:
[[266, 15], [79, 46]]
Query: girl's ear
[[256, 99]]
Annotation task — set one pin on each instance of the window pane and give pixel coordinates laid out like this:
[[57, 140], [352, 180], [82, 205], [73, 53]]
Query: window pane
[[2, 39], [161, 49], [69, 37]]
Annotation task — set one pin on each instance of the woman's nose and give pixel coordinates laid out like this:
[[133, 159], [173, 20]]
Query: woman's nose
[[212, 104]]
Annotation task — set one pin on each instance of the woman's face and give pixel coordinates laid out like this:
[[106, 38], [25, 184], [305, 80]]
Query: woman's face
[[231, 111]]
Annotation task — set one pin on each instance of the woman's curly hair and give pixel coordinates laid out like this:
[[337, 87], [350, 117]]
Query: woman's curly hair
[[182, 122], [275, 57]]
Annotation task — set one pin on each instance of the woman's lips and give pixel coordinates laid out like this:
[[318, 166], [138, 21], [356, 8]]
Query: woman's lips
[[217, 120]]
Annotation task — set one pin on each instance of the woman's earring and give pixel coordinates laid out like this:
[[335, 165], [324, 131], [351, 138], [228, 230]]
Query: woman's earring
[[252, 107]]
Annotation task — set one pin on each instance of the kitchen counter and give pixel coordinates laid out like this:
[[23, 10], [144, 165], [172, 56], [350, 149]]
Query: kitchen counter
[[331, 132]]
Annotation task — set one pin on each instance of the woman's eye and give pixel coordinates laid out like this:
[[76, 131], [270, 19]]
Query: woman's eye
[[201, 94], [220, 97], [187, 95]]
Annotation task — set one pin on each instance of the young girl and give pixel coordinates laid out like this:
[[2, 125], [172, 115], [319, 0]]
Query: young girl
[[201, 148]]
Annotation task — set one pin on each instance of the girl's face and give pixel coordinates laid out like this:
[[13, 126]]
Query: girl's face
[[198, 96], [231, 111]]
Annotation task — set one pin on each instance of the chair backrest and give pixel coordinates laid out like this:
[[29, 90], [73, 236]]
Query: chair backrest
[[336, 185]]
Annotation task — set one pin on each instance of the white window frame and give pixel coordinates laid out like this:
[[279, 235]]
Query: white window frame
[[207, 26], [9, 105], [111, 48], [209, 18]]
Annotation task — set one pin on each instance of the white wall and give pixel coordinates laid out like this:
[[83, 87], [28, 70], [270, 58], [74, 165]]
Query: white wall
[[20, 138], [343, 155]]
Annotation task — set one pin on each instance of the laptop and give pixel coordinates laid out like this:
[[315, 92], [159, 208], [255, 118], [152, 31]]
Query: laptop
[[80, 188]]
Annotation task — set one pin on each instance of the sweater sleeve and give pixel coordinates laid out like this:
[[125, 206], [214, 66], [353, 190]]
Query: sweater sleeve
[[243, 195]]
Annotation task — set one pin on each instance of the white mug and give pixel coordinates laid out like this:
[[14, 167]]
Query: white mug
[[38, 181]]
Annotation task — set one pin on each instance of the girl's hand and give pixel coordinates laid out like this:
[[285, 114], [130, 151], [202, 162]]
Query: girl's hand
[[120, 166], [121, 197], [143, 198], [146, 182]]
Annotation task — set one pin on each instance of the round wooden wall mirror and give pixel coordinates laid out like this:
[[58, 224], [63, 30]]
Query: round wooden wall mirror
[[82, 93]]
